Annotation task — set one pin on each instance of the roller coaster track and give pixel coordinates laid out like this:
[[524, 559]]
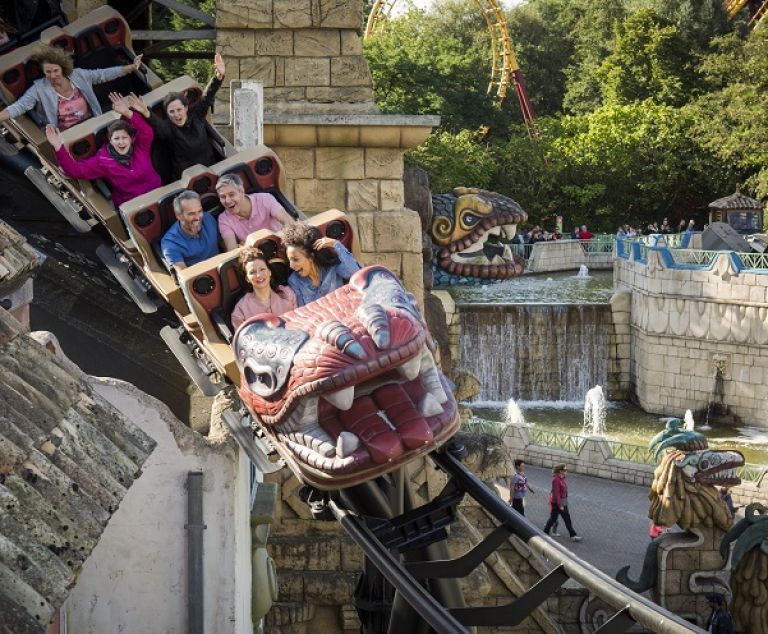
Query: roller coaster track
[[405, 550], [757, 10], [504, 67]]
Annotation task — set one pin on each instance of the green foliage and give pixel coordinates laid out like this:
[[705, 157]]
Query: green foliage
[[649, 60], [456, 159], [435, 64], [200, 69], [666, 108]]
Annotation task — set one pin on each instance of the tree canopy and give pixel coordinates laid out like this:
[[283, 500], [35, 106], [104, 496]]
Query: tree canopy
[[646, 109]]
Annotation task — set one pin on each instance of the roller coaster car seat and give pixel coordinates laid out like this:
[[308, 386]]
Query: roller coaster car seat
[[213, 287], [17, 74], [261, 172], [102, 39]]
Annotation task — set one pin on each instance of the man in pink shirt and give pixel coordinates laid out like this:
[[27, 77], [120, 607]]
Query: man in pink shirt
[[245, 213]]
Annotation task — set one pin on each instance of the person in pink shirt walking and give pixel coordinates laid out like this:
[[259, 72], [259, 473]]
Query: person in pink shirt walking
[[266, 296], [245, 213], [560, 502], [124, 162]]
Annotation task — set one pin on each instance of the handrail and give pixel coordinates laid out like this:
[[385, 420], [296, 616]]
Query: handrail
[[642, 610]]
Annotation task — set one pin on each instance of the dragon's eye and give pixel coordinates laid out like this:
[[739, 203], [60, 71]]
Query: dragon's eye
[[469, 219], [704, 464]]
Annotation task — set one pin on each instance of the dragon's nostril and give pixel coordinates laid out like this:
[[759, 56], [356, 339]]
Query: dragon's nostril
[[261, 381]]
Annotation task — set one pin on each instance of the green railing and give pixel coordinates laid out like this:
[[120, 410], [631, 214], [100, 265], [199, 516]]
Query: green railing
[[696, 257], [556, 440], [752, 472], [631, 453], [599, 244], [757, 261], [483, 426]]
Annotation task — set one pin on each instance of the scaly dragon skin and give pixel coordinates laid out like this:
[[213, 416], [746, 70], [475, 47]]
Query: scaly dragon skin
[[471, 231], [346, 387]]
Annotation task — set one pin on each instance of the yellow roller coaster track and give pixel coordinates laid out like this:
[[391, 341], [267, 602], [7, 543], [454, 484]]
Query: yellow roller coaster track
[[504, 67], [757, 13]]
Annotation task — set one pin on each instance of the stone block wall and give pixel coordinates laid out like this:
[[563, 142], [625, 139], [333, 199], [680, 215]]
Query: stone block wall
[[308, 53], [619, 342], [594, 457], [685, 322], [565, 255]]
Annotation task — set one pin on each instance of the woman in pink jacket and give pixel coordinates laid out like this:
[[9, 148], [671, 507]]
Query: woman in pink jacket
[[559, 507], [124, 162]]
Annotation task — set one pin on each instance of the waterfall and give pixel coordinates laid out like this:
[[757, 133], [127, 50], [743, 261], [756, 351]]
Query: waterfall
[[534, 352]]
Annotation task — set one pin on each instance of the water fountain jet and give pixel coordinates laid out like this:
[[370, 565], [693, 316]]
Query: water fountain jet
[[594, 412], [688, 419], [583, 273], [514, 415]]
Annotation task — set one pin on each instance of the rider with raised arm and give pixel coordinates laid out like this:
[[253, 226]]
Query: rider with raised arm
[[184, 129], [124, 162], [320, 265], [65, 92], [246, 213]]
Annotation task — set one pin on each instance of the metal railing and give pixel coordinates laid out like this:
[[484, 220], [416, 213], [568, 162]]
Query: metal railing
[[752, 472], [754, 261], [556, 440], [693, 257], [630, 453]]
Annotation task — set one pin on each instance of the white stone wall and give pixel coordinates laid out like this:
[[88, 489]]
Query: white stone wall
[[685, 321], [565, 255], [136, 578]]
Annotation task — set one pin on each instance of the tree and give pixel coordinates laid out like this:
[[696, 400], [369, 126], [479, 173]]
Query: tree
[[649, 60], [437, 63]]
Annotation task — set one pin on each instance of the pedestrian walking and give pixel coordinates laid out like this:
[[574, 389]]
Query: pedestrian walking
[[560, 502], [518, 487], [720, 621]]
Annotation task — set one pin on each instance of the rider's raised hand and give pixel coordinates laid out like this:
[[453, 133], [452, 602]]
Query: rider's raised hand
[[218, 62], [54, 137]]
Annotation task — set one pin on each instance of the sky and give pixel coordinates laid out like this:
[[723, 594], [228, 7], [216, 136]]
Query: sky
[[402, 5]]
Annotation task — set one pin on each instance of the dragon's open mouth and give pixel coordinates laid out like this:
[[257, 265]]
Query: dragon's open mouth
[[373, 424], [347, 387], [486, 251], [726, 475]]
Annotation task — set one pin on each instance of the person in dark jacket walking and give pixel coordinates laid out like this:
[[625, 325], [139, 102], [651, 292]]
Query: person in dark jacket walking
[[720, 621], [184, 131], [560, 502]]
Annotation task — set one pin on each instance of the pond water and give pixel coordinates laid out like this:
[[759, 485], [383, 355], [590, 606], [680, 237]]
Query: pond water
[[627, 423], [542, 288]]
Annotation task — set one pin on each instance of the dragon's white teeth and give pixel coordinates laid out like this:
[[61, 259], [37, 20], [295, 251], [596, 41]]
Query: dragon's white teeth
[[431, 378], [429, 406], [507, 253], [497, 259], [317, 439], [342, 399], [410, 369], [509, 231], [346, 444], [494, 231]]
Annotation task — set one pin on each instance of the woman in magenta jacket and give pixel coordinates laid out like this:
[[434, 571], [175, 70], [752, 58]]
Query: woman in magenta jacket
[[124, 162], [559, 507]]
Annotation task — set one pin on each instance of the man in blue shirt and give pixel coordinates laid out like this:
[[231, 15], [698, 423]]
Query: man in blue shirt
[[194, 236]]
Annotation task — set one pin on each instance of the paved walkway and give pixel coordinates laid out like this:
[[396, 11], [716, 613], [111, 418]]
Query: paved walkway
[[610, 516]]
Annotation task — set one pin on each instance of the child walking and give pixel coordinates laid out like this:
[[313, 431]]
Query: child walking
[[518, 486]]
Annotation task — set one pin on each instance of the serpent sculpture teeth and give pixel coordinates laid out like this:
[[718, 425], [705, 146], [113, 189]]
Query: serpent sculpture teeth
[[347, 387]]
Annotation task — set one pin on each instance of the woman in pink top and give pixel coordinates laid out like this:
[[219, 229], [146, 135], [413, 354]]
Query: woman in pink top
[[124, 162], [243, 214], [267, 296]]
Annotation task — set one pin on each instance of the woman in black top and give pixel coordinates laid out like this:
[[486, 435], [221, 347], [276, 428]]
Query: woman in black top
[[184, 131]]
